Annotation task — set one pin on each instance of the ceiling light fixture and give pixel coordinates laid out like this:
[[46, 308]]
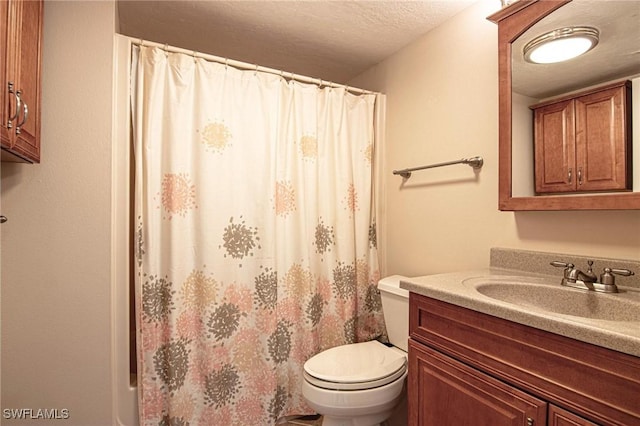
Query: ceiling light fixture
[[561, 45]]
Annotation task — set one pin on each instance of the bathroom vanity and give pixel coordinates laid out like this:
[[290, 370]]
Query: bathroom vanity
[[479, 358]]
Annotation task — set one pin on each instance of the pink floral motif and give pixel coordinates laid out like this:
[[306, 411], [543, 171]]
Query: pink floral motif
[[239, 296], [374, 277], [216, 416], [323, 287], [154, 401], [265, 321], [189, 325], [249, 411], [352, 198], [304, 347], [263, 380], [178, 194], [332, 333], [285, 201], [154, 335], [183, 405], [290, 309]]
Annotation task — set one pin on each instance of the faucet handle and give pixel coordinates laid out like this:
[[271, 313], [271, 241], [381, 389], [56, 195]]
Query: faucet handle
[[607, 277], [562, 264]]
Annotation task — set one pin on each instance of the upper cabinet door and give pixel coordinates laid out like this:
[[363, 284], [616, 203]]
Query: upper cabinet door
[[603, 140], [555, 160], [21, 82]]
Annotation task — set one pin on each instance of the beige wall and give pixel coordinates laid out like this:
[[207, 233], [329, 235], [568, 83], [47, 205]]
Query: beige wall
[[56, 334], [442, 105]]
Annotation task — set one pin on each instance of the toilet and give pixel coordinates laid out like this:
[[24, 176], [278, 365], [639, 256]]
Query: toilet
[[360, 384]]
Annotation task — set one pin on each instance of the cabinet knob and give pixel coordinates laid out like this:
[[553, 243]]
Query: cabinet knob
[[3, 219]]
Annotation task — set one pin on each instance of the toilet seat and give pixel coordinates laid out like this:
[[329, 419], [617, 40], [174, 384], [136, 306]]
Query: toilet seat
[[356, 366]]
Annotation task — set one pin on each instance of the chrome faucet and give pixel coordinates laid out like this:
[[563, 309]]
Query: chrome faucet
[[574, 277]]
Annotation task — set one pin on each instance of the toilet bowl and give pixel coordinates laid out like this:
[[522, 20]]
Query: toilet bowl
[[360, 384]]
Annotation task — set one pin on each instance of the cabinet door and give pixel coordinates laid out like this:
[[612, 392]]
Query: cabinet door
[[22, 52], [561, 417], [602, 141], [443, 391], [5, 100], [554, 148]]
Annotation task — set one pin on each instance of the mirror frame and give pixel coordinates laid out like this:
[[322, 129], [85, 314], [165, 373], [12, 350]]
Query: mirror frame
[[513, 21]]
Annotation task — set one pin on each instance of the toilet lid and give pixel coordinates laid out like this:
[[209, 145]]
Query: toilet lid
[[356, 363]]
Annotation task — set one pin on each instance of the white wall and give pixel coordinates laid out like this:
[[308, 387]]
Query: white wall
[[56, 334], [442, 105]]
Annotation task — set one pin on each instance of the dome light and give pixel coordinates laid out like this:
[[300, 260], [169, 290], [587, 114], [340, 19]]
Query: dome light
[[561, 45]]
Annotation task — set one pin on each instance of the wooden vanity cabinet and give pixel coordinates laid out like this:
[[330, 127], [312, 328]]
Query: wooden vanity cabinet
[[583, 143], [20, 82], [468, 368]]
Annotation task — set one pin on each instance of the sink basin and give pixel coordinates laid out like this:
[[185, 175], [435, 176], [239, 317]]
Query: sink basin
[[565, 301]]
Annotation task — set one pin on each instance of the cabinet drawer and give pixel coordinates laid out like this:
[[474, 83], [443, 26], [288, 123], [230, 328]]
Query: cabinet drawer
[[600, 384]]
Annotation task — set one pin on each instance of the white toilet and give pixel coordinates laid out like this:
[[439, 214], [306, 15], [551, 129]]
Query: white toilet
[[360, 384]]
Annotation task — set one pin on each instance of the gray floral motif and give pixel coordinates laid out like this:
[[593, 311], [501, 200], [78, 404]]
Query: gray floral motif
[[350, 330], [139, 242], [173, 421], [157, 298], [222, 386], [314, 309], [224, 321], [278, 402], [239, 239], [344, 280], [373, 236], [171, 363], [323, 238], [266, 294], [372, 299], [279, 343]]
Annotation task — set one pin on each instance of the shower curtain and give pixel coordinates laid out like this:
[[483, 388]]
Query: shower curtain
[[255, 236]]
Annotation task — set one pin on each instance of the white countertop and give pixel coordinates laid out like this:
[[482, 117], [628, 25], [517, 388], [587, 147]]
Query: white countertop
[[459, 288]]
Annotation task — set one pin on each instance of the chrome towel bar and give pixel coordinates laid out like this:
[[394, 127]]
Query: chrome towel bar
[[475, 162]]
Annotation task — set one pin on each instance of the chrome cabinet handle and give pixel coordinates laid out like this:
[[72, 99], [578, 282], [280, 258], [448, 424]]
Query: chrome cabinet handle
[[580, 176], [570, 175], [24, 118], [18, 102]]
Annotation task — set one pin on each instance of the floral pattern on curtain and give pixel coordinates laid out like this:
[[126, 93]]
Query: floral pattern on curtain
[[255, 237]]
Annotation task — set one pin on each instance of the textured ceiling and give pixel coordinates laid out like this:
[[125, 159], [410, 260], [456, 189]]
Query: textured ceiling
[[331, 40]]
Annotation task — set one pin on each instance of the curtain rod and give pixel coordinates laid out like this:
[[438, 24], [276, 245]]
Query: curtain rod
[[248, 66]]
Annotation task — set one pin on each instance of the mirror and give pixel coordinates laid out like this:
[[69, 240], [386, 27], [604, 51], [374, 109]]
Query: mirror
[[522, 84]]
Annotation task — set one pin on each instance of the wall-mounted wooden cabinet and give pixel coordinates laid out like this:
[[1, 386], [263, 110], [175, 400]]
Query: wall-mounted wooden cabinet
[[583, 143], [20, 83], [468, 368]]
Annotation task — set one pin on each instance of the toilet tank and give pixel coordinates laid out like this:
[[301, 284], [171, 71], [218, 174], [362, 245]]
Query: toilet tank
[[395, 307]]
